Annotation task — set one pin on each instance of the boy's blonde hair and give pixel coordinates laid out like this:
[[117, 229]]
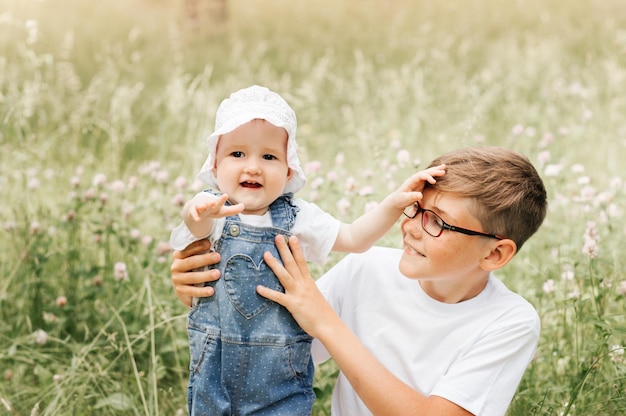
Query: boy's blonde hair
[[509, 197]]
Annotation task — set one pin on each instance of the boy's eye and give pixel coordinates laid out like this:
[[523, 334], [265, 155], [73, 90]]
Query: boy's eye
[[237, 154], [433, 219], [269, 157]]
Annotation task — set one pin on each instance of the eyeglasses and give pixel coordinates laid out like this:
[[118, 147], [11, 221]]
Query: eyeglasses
[[434, 225]]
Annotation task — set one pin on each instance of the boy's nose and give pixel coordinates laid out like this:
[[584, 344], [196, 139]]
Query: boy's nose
[[412, 226]]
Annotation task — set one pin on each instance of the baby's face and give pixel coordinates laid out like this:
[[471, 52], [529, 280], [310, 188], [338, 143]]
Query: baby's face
[[251, 165]]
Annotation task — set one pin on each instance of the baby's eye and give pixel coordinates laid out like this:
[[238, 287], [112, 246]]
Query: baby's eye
[[269, 157], [237, 154]]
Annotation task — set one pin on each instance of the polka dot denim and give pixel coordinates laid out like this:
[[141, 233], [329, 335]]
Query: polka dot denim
[[248, 355]]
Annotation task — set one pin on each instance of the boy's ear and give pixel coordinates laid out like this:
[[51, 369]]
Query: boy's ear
[[499, 255]]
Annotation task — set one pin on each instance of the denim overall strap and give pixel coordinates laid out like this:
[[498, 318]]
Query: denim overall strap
[[283, 212]]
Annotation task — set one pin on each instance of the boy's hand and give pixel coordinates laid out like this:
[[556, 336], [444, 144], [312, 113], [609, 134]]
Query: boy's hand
[[186, 273], [206, 205], [411, 189]]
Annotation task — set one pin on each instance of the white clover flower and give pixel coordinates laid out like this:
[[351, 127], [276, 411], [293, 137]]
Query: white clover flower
[[590, 248], [178, 200], [313, 167], [343, 205], [120, 272], [616, 352], [180, 182], [587, 193], [548, 286], [89, 194], [567, 274], [574, 294], [35, 227], [583, 180], [317, 182], [530, 131], [99, 180], [553, 170], [366, 191], [118, 186], [350, 184], [33, 183], [133, 181], [517, 129], [162, 176], [40, 336], [546, 140], [544, 157], [403, 157]]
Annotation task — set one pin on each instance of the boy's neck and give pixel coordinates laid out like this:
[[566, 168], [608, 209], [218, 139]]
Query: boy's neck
[[446, 291]]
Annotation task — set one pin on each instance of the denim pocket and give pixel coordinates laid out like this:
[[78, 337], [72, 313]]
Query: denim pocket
[[300, 363], [201, 344], [241, 277]]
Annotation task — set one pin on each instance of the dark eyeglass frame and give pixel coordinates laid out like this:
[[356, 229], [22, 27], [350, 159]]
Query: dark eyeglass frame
[[444, 225]]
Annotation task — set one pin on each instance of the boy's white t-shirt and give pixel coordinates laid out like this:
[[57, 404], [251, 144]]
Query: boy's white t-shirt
[[472, 353], [316, 230]]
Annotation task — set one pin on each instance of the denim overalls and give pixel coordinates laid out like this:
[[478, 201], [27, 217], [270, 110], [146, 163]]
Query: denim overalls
[[248, 354]]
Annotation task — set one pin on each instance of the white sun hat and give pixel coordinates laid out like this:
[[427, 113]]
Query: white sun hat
[[248, 104]]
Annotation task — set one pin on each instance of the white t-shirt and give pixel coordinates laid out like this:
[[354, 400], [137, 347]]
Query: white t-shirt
[[472, 353], [316, 230]]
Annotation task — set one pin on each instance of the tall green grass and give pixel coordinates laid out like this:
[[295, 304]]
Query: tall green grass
[[103, 110]]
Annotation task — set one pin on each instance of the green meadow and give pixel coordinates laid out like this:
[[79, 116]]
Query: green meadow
[[104, 107]]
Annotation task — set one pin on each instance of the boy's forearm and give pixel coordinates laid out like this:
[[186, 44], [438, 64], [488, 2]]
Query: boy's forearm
[[381, 391]]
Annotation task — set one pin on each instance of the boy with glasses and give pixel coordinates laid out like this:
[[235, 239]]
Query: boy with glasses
[[426, 329]]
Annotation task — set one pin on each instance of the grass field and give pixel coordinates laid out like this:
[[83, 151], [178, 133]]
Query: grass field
[[103, 111]]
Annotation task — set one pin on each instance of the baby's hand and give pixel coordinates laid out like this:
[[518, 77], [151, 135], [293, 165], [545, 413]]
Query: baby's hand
[[411, 189], [206, 205]]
